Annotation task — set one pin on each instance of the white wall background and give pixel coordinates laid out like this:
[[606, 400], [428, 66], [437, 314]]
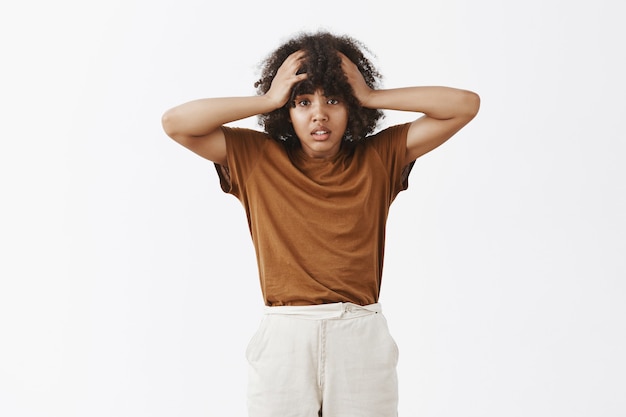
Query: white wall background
[[127, 279]]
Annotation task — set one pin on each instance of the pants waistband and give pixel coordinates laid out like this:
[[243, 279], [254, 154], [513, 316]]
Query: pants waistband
[[325, 311]]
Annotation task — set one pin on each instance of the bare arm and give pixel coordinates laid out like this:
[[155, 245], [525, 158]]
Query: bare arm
[[446, 110], [197, 124]]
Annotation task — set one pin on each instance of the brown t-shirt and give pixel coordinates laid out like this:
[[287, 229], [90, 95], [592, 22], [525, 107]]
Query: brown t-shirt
[[318, 225]]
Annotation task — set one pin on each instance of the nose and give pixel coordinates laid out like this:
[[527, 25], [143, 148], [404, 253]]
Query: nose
[[319, 112]]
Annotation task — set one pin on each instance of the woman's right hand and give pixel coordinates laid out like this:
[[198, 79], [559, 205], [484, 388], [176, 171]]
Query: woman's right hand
[[286, 78], [196, 124]]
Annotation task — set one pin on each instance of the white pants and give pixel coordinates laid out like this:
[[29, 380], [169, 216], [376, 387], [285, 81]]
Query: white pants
[[330, 360]]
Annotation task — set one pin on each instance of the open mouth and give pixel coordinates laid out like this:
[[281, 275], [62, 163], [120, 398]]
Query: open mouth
[[320, 134]]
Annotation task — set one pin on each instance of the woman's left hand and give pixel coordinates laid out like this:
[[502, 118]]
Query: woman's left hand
[[361, 90]]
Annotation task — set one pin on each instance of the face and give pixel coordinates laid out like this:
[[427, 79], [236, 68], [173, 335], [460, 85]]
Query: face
[[319, 123]]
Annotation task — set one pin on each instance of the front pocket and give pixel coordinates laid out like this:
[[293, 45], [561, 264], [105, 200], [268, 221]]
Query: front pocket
[[384, 330], [252, 347]]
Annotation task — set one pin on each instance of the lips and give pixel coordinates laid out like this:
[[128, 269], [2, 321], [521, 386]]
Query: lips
[[320, 133]]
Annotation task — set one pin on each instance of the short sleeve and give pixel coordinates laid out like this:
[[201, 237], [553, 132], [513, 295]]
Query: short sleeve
[[390, 144], [243, 150]]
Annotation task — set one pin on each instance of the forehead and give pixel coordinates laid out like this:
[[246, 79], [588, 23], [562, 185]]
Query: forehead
[[318, 92]]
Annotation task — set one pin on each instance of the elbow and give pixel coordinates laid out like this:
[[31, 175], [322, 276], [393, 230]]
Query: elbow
[[174, 125], [471, 104], [168, 123]]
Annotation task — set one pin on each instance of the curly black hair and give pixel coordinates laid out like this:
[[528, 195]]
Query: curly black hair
[[323, 68]]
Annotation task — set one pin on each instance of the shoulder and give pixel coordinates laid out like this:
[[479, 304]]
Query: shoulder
[[242, 133], [399, 131], [391, 139], [388, 146], [246, 147], [239, 139]]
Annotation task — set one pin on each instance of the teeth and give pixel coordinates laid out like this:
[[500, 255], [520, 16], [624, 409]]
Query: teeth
[[320, 132]]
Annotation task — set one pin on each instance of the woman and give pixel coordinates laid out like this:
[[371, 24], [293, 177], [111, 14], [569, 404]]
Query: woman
[[316, 186]]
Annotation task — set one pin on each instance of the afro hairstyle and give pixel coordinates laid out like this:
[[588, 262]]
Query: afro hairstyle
[[323, 67]]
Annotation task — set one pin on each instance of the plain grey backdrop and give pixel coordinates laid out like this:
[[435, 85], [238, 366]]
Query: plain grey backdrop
[[128, 282]]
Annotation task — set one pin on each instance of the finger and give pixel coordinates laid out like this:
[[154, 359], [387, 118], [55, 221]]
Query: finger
[[299, 61], [344, 59], [293, 62], [300, 53], [295, 58], [347, 64]]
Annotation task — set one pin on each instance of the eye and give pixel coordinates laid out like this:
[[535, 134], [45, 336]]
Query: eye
[[332, 101], [302, 102]]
